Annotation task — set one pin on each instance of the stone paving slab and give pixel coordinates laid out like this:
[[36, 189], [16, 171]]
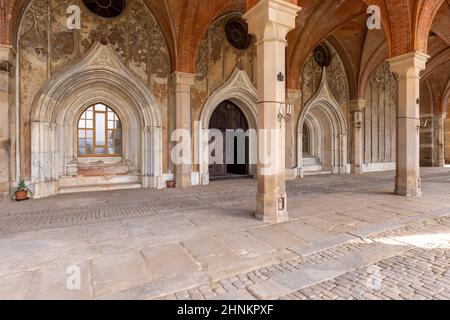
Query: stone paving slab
[[303, 231], [276, 237], [245, 244], [205, 246], [327, 243], [55, 278], [118, 272], [383, 227], [168, 261], [268, 290], [14, 286], [232, 268], [156, 289]]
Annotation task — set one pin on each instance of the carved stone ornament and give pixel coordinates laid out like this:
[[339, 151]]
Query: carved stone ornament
[[236, 30], [323, 56]]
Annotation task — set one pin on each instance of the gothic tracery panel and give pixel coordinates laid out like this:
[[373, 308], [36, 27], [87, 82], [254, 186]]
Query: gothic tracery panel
[[379, 117]]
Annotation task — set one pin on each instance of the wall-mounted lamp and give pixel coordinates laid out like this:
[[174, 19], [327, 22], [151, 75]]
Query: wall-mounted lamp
[[285, 110], [422, 124]]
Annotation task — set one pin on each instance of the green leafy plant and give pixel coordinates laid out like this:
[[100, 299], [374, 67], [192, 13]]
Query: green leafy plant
[[22, 186]]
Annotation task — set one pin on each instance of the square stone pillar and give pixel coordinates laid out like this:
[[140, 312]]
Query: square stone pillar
[[439, 133], [270, 21], [407, 68], [6, 58], [182, 84], [357, 148]]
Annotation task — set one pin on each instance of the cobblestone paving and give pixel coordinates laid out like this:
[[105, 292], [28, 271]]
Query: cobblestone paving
[[418, 273], [17, 219]]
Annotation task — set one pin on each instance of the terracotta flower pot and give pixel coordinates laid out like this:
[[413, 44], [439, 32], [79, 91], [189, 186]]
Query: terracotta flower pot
[[170, 184], [21, 195]]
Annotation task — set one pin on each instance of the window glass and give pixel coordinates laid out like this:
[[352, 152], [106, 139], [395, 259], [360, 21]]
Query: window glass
[[99, 132]]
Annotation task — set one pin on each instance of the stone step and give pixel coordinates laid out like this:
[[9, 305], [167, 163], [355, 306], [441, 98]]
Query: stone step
[[230, 177], [312, 168], [316, 173], [101, 187], [311, 161], [80, 181]]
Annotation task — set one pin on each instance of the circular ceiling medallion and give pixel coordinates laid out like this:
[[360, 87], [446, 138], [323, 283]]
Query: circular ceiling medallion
[[236, 30], [322, 55], [105, 8]]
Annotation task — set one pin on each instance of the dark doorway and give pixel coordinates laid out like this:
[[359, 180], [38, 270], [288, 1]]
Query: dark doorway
[[228, 116]]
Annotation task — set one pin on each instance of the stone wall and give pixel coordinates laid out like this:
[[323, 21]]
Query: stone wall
[[380, 117], [427, 134], [46, 46]]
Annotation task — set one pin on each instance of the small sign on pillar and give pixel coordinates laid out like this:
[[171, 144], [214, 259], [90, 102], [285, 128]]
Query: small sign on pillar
[[281, 204]]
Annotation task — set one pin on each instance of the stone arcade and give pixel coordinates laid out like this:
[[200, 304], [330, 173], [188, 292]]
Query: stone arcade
[[94, 109]]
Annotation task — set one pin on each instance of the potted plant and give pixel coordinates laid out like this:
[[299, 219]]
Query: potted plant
[[170, 183], [21, 191]]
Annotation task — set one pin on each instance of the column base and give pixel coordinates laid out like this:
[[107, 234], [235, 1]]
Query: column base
[[183, 177], [357, 170], [268, 208], [411, 189]]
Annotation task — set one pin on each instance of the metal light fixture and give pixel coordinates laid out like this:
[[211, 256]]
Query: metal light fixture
[[285, 110]]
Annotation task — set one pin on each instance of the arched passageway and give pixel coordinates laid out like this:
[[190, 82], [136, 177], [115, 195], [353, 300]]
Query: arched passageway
[[229, 119]]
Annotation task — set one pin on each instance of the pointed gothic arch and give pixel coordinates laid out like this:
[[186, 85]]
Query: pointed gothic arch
[[325, 119], [100, 77], [239, 90]]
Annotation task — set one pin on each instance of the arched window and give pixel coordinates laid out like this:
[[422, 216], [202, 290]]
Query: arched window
[[99, 133]]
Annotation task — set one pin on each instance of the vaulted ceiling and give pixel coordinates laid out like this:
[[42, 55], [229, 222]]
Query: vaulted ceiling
[[408, 25]]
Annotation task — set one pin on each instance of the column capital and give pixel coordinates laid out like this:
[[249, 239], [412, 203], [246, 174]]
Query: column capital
[[441, 115], [183, 78], [272, 19], [357, 105], [409, 64]]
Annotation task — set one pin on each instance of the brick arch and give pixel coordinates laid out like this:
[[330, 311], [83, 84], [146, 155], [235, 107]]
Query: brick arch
[[194, 23], [407, 23], [426, 11], [313, 27]]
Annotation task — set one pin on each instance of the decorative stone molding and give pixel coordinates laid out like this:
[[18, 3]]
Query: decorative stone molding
[[239, 90], [322, 112], [100, 77]]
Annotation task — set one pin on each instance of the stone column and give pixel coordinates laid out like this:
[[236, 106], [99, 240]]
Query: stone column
[[182, 84], [439, 127], [407, 68], [6, 58], [270, 21], [357, 148]]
